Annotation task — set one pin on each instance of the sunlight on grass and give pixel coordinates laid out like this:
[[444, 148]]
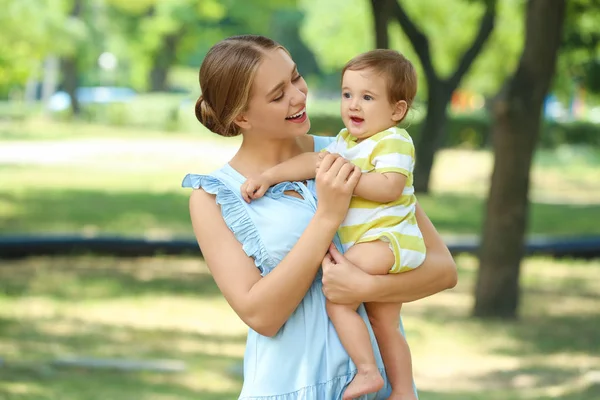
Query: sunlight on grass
[[146, 199], [555, 179], [92, 179], [169, 308]]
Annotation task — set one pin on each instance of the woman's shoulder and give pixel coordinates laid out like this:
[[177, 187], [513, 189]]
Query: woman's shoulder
[[318, 143], [213, 181]]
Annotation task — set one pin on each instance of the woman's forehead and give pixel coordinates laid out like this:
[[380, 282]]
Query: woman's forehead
[[275, 67]]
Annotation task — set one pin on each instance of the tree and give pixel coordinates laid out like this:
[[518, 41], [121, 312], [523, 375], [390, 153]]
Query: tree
[[69, 64], [439, 90], [172, 32], [381, 16], [285, 29], [517, 115], [22, 51], [579, 59]]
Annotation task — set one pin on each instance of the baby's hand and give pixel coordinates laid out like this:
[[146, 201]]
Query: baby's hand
[[254, 188], [322, 155]]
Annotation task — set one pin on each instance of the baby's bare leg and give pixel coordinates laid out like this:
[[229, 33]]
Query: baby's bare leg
[[385, 319], [372, 257]]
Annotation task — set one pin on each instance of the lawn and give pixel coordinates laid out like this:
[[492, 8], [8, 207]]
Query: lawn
[[86, 179], [121, 182], [169, 308]]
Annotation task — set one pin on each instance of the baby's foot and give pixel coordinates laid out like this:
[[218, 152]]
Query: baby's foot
[[365, 381]]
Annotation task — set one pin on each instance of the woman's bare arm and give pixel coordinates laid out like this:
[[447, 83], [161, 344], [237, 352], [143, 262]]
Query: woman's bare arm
[[265, 303], [345, 283]]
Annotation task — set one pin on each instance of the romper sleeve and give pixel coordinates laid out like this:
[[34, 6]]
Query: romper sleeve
[[235, 214], [394, 153]]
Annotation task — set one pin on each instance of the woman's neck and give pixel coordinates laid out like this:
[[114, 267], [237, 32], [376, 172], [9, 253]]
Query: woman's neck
[[257, 155]]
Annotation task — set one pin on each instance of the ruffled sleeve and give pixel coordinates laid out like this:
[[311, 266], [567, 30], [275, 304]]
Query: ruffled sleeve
[[235, 214]]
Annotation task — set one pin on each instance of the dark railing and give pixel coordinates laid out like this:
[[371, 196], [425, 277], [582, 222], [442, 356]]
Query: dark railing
[[25, 246]]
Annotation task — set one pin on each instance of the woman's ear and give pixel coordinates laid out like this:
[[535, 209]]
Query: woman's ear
[[242, 121], [400, 110]]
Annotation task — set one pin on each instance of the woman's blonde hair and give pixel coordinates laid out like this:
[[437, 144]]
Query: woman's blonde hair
[[226, 77]]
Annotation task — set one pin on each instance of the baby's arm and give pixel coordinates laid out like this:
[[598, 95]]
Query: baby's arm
[[380, 187], [393, 158], [299, 168]]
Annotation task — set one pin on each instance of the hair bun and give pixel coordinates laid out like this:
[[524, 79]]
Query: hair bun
[[206, 115], [203, 111]]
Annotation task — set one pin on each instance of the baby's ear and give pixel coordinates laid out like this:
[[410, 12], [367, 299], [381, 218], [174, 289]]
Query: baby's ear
[[400, 110]]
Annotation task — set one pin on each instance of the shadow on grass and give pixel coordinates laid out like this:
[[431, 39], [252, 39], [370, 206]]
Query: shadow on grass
[[34, 344], [76, 211], [137, 213], [547, 382], [534, 335], [40, 338], [464, 214], [66, 281], [92, 385]]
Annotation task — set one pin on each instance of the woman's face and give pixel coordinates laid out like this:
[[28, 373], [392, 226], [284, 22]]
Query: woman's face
[[277, 106]]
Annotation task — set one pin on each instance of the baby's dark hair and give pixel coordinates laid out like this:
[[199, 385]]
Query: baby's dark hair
[[399, 73]]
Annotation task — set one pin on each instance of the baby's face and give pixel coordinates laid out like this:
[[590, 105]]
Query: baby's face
[[365, 108]]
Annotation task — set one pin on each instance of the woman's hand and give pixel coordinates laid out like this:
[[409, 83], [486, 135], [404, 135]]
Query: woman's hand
[[343, 282], [336, 179]]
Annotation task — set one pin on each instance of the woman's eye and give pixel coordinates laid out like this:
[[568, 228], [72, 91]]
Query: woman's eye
[[297, 78], [278, 98]]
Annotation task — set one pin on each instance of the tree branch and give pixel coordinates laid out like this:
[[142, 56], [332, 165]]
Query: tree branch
[[485, 29], [418, 40]]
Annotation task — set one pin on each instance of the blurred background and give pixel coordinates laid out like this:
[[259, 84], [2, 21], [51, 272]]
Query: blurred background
[[103, 292]]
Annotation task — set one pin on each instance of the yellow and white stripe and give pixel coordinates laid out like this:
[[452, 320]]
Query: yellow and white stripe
[[389, 151]]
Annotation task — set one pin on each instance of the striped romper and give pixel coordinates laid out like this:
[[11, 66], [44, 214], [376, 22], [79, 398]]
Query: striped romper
[[389, 151]]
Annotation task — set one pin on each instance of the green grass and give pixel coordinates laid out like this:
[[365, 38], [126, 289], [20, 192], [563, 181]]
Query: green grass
[[164, 214], [140, 194], [169, 308], [41, 128]]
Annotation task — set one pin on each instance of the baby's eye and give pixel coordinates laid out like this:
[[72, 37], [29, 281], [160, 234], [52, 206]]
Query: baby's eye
[[346, 95], [367, 97]]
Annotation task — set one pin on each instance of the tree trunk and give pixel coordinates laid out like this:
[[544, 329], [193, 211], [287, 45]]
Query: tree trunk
[[164, 58], [70, 76], [381, 14], [440, 90], [432, 133], [68, 65], [517, 118], [50, 78]]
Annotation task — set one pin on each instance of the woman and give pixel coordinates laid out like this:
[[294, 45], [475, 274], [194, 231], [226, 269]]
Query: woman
[[266, 256]]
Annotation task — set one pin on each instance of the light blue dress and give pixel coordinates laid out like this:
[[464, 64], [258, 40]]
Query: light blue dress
[[305, 359]]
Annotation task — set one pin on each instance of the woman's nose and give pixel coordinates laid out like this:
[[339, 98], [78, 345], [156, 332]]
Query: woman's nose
[[298, 97]]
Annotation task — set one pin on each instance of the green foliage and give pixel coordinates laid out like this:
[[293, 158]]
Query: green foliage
[[577, 65], [338, 30], [185, 27], [29, 31]]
